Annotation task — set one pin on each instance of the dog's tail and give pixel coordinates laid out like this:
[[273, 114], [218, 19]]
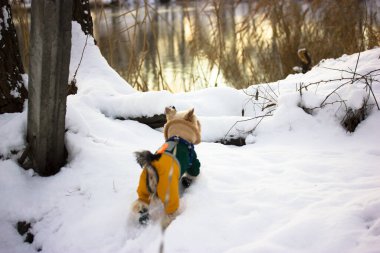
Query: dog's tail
[[145, 159]]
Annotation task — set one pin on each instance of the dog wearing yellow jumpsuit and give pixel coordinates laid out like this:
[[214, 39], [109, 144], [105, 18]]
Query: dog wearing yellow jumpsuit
[[174, 162]]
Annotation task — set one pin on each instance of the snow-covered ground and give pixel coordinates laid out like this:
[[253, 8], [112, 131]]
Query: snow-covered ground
[[302, 184]]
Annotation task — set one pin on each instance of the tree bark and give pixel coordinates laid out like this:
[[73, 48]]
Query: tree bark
[[82, 14], [12, 90], [50, 47]]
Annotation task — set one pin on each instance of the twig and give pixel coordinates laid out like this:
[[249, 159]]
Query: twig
[[254, 128], [114, 186], [356, 67], [342, 78], [351, 72], [373, 94], [334, 91], [244, 120], [330, 103], [272, 91], [80, 62]]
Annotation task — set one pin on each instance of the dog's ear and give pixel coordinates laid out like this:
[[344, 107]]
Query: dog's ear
[[189, 115], [199, 125], [170, 111]]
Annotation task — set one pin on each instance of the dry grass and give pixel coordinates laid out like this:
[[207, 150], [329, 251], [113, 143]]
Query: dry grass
[[235, 42], [22, 23]]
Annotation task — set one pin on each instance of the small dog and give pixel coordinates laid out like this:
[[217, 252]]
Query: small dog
[[175, 161]]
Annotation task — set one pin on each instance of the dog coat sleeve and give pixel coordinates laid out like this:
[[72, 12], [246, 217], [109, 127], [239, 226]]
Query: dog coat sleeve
[[194, 168], [142, 190]]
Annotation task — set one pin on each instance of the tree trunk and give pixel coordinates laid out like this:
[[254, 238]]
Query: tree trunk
[[12, 90], [50, 47], [82, 14]]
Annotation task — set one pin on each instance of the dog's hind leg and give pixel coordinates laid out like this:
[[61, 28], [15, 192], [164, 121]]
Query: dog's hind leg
[[141, 205]]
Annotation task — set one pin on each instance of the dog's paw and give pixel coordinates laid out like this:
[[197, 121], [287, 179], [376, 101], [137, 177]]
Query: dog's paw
[[186, 182], [139, 206], [141, 212], [144, 217]]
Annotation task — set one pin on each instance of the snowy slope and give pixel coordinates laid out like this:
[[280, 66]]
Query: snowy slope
[[303, 184]]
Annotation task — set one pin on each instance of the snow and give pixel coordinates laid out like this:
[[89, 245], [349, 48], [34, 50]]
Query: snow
[[15, 93], [6, 17], [303, 184], [4, 23], [12, 132]]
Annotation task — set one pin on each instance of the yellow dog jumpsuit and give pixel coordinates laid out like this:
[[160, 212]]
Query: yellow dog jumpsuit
[[167, 184]]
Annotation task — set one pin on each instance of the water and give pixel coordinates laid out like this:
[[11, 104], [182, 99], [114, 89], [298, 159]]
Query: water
[[189, 45], [160, 46]]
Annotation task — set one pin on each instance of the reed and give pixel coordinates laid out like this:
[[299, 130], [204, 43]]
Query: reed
[[196, 44], [21, 19]]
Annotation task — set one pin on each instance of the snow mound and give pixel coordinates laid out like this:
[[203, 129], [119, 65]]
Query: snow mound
[[91, 70]]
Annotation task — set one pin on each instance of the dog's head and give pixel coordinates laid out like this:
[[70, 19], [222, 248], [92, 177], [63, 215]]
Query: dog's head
[[183, 124]]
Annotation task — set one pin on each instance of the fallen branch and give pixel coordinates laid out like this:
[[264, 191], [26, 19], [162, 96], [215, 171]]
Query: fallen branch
[[261, 117], [155, 121]]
